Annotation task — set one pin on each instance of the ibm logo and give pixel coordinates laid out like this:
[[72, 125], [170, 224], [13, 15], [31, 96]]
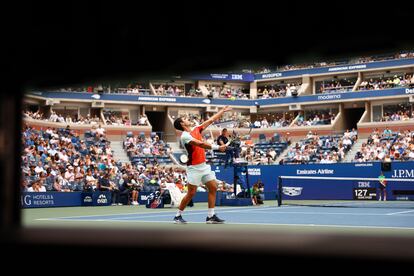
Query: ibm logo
[[236, 77]]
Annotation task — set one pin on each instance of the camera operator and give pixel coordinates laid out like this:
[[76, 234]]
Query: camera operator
[[233, 149], [223, 138]]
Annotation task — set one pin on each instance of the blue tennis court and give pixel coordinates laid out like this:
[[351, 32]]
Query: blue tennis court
[[300, 216]]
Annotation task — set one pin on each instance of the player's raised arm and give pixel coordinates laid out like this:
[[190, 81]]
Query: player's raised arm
[[206, 145], [215, 117]]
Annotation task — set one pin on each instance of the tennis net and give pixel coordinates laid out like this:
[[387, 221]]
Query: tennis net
[[345, 192]]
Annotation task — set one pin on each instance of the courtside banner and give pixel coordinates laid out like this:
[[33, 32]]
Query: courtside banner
[[50, 199], [62, 199], [96, 198], [199, 197]]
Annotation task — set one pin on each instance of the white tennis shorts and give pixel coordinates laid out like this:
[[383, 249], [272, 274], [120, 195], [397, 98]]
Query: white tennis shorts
[[200, 174]]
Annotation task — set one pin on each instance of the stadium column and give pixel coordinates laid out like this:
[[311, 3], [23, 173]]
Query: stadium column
[[358, 82], [253, 90], [307, 85]]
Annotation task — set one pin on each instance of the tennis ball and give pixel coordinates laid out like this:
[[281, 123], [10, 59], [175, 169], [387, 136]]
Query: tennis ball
[[233, 98]]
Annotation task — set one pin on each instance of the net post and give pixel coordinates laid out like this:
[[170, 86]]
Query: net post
[[279, 191]]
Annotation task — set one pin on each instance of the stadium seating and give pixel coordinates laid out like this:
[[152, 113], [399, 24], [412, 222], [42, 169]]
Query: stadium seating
[[325, 146]]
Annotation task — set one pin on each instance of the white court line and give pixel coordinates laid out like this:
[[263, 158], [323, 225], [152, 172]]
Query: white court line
[[150, 215], [166, 211], [397, 213], [258, 223], [320, 213], [201, 212]]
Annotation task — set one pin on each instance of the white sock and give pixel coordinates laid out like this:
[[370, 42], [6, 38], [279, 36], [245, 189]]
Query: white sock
[[210, 212], [179, 213]]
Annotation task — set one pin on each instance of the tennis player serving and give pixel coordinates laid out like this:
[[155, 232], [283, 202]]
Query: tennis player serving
[[198, 172]]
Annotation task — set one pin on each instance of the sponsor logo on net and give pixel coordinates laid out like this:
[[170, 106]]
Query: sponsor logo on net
[[292, 191]]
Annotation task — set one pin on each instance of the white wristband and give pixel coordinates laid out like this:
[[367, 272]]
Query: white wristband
[[215, 147]]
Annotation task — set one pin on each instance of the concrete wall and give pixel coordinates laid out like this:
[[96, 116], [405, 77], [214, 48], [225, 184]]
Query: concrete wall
[[169, 130]]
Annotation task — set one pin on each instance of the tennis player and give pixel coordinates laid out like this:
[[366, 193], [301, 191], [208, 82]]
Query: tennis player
[[382, 186], [198, 172]]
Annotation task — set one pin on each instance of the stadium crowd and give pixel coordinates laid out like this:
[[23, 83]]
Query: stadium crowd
[[272, 122], [141, 146], [340, 85], [398, 116], [59, 118], [277, 91], [111, 118], [227, 92], [315, 118], [387, 146], [129, 88], [176, 90], [321, 149], [406, 80], [61, 161], [58, 160]]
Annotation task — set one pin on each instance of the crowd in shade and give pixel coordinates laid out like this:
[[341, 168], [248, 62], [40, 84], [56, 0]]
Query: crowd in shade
[[406, 80], [272, 122], [256, 156], [176, 90], [114, 119], [107, 88], [337, 85], [315, 118], [55, 117], [387, 146], [321, 149], [277, 91], [227, 92], [37, 115], [398, 116], [169, 90], [111, 118], [276, 120]]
